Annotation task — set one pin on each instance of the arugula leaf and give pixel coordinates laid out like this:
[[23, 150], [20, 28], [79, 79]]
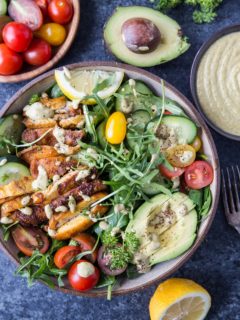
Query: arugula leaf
[[6, 230], [207, 201], [41, 266]]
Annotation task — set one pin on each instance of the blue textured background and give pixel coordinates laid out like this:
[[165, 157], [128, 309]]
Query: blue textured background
[[216, 264]]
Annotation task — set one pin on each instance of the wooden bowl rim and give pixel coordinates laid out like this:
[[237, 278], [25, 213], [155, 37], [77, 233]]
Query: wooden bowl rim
[[193, 76], [189, 253], [63, 49]]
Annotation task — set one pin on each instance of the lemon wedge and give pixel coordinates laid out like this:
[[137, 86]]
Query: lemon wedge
[[77, 84], [179, 299]]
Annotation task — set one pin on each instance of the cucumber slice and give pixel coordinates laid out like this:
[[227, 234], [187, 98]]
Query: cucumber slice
[[127, 102], [140, 118], [3, 7], [185, 128], [12, 171], [11, 128], [140, 87], [101, 134]]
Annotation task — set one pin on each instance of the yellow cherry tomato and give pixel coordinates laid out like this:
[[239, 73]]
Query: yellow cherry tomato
[[53, 33], [197, 143], [181, 156], [116, 128]]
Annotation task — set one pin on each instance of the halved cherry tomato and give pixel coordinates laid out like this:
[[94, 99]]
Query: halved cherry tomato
[[197, 144], [53, 33], [17, 36], [64, 255], [27, 12], [29, 239], [116, 128], [199, 174], [87, 243], [181, 156], [60, 11], [38, 53], [10, 61], [83, 275], [176, 172]]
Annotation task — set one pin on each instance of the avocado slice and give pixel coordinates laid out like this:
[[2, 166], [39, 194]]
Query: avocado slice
[[166, 227], [170, 44]]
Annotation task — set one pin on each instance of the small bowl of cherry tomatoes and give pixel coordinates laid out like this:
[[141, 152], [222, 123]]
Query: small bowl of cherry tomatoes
[[35, 35]]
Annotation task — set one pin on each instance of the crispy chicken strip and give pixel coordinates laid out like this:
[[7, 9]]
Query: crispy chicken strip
[[17, 188], [35, 124], [53, 166], [72, 122], [71, 137], [15, 204], [37, 217], [38, 214], [84, 189], [6, 199], [63, 185], [37, 152], [55, 103], [68, 223]]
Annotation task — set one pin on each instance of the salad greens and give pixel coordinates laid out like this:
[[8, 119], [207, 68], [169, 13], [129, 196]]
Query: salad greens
[[202, 199]]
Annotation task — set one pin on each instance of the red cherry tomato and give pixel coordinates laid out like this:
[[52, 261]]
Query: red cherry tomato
[[43, 5], [17, 36], [10, 61], [64, 255], [29, 239], [199, 175], [38, 53], [177, 172], [87, 243], [83, 275], [27, 12], [60, 11]]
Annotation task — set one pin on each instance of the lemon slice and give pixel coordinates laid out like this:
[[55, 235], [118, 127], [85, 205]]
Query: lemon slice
[[78, 84], [179, 299]]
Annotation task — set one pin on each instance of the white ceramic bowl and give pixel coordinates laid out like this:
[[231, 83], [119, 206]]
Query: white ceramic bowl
[[162, 270]]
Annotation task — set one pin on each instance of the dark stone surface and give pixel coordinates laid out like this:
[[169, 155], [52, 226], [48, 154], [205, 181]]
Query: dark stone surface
[[216, 264]]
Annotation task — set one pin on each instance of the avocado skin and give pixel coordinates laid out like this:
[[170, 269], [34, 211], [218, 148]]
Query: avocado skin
[[175, 240], [172, 45]]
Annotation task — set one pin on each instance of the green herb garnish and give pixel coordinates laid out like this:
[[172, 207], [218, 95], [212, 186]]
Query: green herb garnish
[[205, 10]]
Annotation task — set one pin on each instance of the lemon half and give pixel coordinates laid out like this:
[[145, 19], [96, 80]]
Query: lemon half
[[179, 299], [77, 84]]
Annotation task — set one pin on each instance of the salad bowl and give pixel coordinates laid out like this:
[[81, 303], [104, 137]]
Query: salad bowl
[[161, 270]]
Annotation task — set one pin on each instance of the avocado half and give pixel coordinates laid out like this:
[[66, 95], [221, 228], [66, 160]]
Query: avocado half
[[171, 44], [175, 231]]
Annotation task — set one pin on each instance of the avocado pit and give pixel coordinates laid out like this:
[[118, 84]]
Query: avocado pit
[[140, 35]]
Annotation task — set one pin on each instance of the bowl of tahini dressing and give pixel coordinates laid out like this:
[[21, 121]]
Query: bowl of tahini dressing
[[215, 81]]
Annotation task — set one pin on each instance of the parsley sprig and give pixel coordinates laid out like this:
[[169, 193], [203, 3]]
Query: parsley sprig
[[205, 10]]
